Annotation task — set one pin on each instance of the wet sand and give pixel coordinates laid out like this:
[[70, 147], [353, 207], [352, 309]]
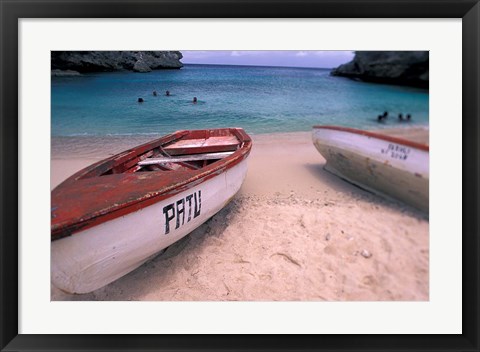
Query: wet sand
[[294, 232]]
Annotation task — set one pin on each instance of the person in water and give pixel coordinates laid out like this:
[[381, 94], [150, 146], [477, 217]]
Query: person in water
[[140, 100], [154, 93], [380, 118], [194, 100], [400, 116], [409, 117], [385, 114], [167, 93]]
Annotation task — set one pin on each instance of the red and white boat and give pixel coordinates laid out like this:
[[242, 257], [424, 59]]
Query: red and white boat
[[389, 166], [111, 217]]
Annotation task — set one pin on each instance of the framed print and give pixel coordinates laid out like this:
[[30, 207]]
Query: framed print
[[299, 251]]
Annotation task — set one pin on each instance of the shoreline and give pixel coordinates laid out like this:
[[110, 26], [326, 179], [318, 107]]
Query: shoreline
[[294, 232], [101, 146]]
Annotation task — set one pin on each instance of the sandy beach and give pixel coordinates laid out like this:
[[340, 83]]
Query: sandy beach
[[294, 232]]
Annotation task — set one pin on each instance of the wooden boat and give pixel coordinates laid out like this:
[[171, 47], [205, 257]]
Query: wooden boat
[[385, 165], [111, 217]]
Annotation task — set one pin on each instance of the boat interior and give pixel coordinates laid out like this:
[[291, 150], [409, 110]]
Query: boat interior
[[189, 154], [185, 150]]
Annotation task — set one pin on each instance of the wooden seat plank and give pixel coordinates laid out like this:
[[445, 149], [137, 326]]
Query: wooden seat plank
[[176, 159], [212, 141]]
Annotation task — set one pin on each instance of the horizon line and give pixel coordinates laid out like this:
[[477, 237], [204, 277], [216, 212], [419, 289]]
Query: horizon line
[[257, 65]]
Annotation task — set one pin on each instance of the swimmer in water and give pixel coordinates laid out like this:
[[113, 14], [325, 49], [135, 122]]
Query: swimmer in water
[[400, 116], [140, 100], [409, 117], [194, 100], [167, 93], [154, 93]]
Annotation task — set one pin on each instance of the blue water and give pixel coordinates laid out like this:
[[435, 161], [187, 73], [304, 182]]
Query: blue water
[[259, 99]]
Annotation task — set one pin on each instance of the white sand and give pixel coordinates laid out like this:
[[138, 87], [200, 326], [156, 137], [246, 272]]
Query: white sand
[[293, 232]]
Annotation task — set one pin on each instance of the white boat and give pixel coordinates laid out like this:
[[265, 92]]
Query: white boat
[[111, 217], [389, 166]]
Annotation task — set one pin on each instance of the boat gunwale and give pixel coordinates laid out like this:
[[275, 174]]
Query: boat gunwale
[[68, 228], [420, 146]]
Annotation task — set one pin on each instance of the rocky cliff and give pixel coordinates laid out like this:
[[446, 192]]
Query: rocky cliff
[[391, 67], [98, 61]]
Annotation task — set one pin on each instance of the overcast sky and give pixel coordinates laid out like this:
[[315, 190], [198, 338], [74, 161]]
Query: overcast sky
[[321, 59]]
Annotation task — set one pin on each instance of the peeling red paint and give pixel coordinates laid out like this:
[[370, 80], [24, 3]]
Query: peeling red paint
[[110, 188]]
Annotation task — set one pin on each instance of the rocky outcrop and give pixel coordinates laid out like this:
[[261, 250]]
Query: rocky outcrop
[[101, 61], [391, 67]]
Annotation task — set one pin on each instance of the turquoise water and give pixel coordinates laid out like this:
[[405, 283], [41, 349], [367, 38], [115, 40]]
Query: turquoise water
[[259, 99]]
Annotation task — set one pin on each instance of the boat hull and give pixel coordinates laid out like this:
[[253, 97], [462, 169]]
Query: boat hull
[[388, 167], [99, 255]]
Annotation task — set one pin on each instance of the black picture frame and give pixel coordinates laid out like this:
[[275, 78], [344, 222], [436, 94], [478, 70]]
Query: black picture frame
[[12, 11]]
